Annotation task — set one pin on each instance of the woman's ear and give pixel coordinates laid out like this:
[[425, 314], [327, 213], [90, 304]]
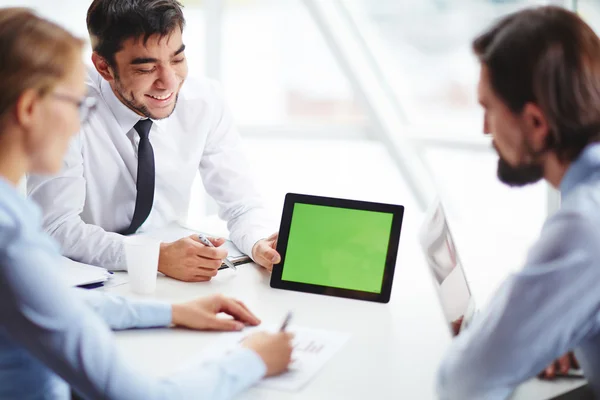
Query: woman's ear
[[26, 108]]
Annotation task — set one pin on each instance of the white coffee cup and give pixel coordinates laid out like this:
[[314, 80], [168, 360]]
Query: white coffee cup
[[141, 254]]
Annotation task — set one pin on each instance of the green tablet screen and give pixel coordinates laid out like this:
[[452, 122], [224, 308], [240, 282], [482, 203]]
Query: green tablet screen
[[337, 247]]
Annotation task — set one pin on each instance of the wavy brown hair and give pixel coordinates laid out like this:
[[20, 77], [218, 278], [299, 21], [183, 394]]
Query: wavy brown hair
[[34, 54]]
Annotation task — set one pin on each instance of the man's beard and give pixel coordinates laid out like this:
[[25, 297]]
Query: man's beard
[[520, 175], [525, 173], [139, 108]]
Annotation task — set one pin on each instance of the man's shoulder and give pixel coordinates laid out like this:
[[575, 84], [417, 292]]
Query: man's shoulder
[[577, 222], [583, 201]]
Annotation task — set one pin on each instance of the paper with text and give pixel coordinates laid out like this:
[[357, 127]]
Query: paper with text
[[312, 349]]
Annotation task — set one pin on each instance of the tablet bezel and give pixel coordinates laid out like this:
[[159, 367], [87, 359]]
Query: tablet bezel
[[291, 199]]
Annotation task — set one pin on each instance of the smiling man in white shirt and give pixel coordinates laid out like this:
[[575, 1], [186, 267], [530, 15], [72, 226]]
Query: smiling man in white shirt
[[132, 166]]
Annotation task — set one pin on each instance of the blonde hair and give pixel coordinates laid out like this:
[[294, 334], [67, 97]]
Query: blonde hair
[[34, 54]]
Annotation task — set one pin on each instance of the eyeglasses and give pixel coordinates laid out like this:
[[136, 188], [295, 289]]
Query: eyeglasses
[[85, 106]]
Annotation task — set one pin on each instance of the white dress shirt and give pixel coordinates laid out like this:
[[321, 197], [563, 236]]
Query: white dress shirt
[[94, 194]]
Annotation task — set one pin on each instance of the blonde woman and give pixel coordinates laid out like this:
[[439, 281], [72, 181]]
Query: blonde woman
[[52, 336]]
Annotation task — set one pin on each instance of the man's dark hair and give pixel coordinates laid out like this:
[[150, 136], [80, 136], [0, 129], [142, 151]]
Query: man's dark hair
[[550, 57], [111, 22]]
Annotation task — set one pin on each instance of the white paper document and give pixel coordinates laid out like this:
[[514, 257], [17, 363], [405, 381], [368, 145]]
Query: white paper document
[[312, 349], [75, 273], [116, 279]]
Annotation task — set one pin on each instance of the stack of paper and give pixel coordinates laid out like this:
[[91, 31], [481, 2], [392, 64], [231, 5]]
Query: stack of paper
[[76, 274]]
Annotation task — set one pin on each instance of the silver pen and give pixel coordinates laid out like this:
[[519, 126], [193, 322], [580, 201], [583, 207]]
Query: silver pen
[[208, 243]]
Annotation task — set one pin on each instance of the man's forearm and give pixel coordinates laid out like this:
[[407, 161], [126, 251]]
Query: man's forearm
[[90, 244]]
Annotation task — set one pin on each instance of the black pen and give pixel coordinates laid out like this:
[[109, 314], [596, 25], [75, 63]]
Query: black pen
[[286, 322]]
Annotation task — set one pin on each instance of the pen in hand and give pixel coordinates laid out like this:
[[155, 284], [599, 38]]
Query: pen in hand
[[286, 322], [208, 243]]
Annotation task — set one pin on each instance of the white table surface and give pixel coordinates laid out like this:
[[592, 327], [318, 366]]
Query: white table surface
[[393, 353]]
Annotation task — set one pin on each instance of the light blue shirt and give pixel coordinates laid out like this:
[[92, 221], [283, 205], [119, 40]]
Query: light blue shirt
[[51, 334], [548, 308]]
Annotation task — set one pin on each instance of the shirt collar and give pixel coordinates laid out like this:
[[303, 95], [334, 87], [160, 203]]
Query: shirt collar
[[126, 117], [581, 168]]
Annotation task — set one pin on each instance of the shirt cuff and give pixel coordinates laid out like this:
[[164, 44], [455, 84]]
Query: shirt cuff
[[153, 314], [250, 239], [245, 365], [121, 261]]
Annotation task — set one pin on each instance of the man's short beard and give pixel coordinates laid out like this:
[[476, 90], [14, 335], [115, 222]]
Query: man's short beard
[[133, 105]]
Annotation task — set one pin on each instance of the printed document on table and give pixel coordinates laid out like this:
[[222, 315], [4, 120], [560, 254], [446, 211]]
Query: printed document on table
[[312, 349]]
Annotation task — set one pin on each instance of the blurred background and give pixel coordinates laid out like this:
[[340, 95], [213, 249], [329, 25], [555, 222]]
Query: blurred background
[[366, 99]]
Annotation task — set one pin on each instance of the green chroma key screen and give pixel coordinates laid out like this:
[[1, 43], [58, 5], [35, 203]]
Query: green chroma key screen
[[337, 247]]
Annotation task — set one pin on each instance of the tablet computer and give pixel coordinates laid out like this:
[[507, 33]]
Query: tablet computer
[[337, 247]]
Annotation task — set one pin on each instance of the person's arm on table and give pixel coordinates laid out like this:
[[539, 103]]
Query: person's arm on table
[[62, 198], [56, 326], [537, 315], [227, 177], [122, 313]]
